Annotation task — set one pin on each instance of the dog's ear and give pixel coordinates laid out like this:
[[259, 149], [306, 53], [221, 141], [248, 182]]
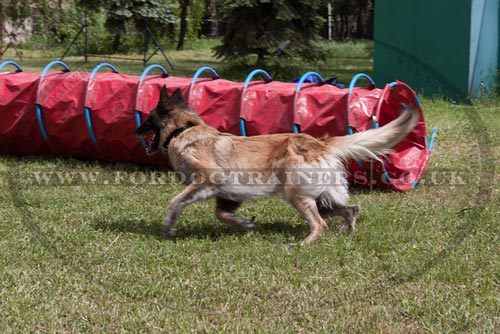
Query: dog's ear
[[168, 103], [164, 102], [177, 98]]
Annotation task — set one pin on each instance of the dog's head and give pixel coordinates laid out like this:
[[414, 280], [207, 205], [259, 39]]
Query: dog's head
[[171, 113]]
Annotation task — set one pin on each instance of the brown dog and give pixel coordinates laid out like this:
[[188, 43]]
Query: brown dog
[[308, 172]]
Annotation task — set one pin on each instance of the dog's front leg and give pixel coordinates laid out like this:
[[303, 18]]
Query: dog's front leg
[[193, 193]]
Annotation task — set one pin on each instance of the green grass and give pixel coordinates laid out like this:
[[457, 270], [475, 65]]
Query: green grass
[[88, 258], [344, 59]]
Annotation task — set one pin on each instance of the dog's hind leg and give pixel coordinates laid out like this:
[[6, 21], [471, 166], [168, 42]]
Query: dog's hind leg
[[306, 206], [225, 213], [349, 213], [193, 193]]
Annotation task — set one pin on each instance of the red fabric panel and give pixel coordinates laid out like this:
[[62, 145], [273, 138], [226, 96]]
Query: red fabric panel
[[218, 103], [362, 106], [60, 97], [321, 110], [111, 99], [19, 130], [268, 107], [406, 164]]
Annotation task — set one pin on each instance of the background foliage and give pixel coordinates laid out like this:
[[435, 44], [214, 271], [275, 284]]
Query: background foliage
[[265, 28], [251, 30]]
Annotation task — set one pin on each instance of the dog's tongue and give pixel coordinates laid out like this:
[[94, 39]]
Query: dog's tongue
[[149, 148], [147, 143]]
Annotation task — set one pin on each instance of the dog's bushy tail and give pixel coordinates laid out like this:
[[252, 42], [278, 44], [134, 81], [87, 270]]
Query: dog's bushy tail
[[375, 142]]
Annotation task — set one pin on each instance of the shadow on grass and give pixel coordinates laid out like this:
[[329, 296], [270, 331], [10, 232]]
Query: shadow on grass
[[209, 230]]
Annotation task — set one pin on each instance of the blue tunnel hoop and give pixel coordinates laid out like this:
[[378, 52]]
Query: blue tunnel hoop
[[267, 79], [13, 63], [99, 66], [164, 74], [356, 78], [53, 63], [87, 109], [306, 76], [376, 124], [353, 82], [213, 74], [433, 138], [430, 143], [38, 108], [303, 78]]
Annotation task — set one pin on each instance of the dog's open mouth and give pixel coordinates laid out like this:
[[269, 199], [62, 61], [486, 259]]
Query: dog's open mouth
[[153, 144], [152, 140]]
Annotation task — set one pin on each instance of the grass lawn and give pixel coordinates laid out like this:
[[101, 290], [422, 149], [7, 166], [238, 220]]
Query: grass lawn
[[89, 258]]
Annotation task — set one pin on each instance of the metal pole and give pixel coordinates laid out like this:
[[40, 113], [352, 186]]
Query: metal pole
[[146, 43], [85, 34], [1, 30], [329, 20], [158, 47]]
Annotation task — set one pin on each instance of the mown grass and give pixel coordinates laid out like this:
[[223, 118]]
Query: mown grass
[[88, 257]]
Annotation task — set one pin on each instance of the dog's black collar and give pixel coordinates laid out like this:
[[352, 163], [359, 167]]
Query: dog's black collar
[[176, 133]]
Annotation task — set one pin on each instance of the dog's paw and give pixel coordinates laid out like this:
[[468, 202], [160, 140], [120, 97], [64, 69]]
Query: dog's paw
[[244, 224], [345, 228], [348, 227], [247, 225], [350, 217], [169, 232]]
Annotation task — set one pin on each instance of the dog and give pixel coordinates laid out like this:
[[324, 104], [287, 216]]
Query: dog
[[234, 169]]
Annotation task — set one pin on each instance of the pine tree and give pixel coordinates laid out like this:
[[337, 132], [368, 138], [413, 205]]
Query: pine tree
[[264, 27]]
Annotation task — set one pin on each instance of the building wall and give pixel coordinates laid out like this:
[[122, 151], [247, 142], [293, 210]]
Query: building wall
[[445, 47]]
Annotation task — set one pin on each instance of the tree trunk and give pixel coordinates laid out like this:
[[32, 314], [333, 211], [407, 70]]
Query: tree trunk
[[183, 27], [210, 19], [116, 42], [344, 27], [260, 58], [365, 20]]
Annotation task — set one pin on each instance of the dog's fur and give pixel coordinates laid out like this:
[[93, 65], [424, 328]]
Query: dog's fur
[[195, 148]]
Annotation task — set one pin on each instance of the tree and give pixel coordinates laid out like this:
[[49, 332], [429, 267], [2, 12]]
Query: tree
[[190, 11], [34, 15], [16, 11], [354, 13], [365, 18], [138, 12], [210, 25], [344, 10], [264, 27], [183, 25]]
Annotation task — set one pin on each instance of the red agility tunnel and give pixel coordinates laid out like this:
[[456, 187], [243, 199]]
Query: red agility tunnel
[[92, 115]]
